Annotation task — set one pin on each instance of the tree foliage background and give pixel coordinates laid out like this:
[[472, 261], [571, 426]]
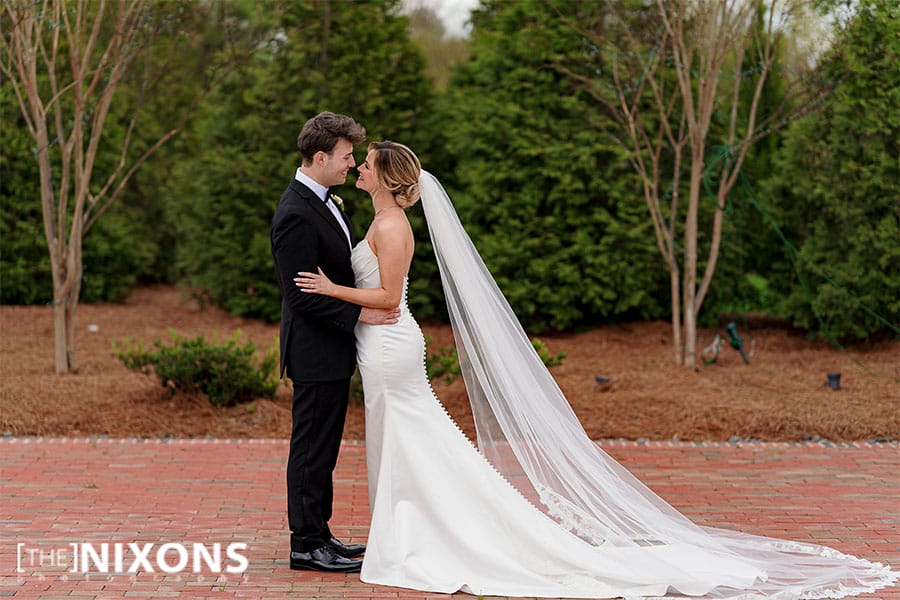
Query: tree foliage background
[[837, 183], [352, 58], [550, 202]]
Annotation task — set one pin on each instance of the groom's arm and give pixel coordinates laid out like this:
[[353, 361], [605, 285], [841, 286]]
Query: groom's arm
[[379, 316]]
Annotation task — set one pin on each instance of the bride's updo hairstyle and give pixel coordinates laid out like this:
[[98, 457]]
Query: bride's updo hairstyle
[[397, 170]]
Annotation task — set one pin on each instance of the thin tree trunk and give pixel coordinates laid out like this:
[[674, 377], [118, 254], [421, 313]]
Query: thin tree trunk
[[65, 301], [714, 246], [73, 297], [677, 344], [71, 307], [56, 246], [689, 285], [60, 343]]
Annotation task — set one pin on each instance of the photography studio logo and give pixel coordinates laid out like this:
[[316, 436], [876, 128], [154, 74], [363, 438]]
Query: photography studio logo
[[131, 558]]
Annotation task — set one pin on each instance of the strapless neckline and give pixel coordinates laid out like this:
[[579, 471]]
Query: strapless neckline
[[364, 243], [365, 265], [365, 268]]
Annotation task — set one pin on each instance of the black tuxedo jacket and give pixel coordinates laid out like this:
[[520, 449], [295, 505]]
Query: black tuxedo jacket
[[317, 342]]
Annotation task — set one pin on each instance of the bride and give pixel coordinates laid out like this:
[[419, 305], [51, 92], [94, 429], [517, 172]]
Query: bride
[[537, 509]]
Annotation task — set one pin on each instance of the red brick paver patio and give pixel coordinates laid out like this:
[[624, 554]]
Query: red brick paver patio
[[57, 492]]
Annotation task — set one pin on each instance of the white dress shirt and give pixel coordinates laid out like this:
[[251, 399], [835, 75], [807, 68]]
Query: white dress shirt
[[322, 192]]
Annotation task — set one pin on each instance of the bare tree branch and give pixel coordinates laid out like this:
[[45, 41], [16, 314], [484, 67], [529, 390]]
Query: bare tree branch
[[66, 60], [664, 89]]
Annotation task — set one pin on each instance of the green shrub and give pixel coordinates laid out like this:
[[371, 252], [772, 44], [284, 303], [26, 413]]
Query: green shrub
[[445, 362], [357, 396], [226, 373], [544, 352]]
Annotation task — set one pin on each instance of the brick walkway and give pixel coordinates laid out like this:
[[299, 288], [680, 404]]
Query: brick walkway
[[57, 492]]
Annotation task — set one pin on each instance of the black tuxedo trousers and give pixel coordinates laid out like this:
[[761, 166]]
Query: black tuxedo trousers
[[319, 411]]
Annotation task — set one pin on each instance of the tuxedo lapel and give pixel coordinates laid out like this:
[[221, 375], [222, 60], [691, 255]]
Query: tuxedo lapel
[[346, 222], [319, 207], [323, 210]]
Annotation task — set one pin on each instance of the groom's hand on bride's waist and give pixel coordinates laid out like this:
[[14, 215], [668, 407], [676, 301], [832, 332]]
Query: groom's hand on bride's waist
[[379, 316]]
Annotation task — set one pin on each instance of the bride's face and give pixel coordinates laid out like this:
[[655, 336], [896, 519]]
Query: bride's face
[[367, 180]]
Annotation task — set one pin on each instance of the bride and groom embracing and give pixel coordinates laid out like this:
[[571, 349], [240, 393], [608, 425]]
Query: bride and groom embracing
[[537, 509]]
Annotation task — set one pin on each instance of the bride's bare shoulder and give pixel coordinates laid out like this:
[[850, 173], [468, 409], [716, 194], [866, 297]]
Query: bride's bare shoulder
[[390, 229]]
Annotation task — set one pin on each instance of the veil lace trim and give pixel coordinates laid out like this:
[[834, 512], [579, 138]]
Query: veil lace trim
[[528, 431]]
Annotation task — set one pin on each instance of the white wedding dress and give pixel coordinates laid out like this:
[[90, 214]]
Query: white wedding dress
[[444, 519]]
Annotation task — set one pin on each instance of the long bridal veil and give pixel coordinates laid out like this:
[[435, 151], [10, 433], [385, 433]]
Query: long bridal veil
[[527, 430]]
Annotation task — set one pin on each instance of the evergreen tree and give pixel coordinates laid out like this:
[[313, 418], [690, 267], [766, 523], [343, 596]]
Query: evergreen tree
[[839, 179], [550, 202], [346, 57]]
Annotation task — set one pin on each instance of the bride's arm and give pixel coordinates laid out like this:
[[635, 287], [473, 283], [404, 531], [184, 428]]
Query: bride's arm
[[393, 240]]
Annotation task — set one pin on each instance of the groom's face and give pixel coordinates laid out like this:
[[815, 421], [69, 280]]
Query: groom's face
[[337, 163]]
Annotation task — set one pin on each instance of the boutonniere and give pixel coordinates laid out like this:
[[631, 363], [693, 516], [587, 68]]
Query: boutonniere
[[338, 201]]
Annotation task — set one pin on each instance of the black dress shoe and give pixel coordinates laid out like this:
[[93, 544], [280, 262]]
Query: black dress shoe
[[324, 559], [346, 550]]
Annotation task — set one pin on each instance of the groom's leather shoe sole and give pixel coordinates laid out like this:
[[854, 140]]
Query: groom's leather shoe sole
[[346, 550], [324, 559]]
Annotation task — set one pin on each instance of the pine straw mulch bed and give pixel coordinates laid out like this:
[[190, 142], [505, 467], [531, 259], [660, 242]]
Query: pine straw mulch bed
[[781, 396]]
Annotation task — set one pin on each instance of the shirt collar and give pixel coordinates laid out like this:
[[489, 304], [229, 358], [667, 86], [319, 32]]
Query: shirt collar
[[318, 189]]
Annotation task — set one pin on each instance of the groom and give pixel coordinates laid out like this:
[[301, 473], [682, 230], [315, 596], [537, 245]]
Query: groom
[[318, 350]]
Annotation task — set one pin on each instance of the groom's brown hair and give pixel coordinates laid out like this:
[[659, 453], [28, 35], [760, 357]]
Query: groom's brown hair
[[322, 132]]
